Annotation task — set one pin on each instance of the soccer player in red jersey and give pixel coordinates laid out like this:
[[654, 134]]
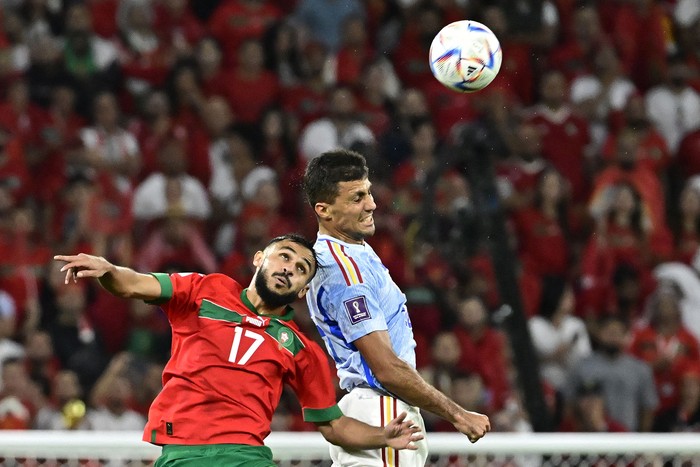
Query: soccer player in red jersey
[[233, 350]]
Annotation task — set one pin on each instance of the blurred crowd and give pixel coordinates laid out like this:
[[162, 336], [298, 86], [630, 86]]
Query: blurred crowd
[[169, 135]]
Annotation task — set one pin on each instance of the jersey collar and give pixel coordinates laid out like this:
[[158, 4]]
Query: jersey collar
[[321, 236], [288, 311]]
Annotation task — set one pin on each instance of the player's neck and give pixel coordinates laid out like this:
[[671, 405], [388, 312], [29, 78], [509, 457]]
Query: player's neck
[[261, 307]]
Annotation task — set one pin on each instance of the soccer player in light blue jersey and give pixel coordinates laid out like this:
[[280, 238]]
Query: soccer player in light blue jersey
[[362, 317]]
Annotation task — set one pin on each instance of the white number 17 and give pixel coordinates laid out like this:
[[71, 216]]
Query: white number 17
[[257, 341]]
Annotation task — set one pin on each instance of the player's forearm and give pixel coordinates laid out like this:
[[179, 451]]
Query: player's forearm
[[350, 433], [406, 383], [127, 283]]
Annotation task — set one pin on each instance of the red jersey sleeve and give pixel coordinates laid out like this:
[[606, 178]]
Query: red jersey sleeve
[[177, 292], [312, 384]]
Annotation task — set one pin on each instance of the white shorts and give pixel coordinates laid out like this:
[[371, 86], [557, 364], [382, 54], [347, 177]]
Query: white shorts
[[375, 409]]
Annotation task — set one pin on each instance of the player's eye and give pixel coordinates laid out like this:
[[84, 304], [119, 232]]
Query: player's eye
[[301, 269], [285, 256]]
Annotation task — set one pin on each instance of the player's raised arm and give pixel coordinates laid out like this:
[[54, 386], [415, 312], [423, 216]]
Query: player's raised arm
[[404, 381], [351, 433], [117, 280]]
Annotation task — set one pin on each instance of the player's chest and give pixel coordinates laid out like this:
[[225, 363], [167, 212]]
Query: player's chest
[[230, 334]]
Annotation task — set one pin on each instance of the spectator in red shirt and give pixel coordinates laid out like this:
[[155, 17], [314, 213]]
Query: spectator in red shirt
[[639, 31], [410, 55], [517, 70], [144, 57], [373, 100], [483, 349], [18, 396], [576, 55], [307, 100], [395, 143], [565, 135], [251, 88], [686, 224], [355, 52], [652, 152], [518, 174], [20, 116], [215, 78], [544, 243], [235, 21], [665, 343], [177, 26]]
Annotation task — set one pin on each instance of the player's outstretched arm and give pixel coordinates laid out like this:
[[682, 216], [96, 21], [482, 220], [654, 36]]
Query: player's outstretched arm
[[117, 280], [351, 433], [404, 381]]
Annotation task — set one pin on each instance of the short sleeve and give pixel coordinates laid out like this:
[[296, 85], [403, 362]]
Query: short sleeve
[[313, 385], [178, 291], [358, 311]]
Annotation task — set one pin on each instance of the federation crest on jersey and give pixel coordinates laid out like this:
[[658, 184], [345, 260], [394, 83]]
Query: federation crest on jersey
[[357, 310], [284, 337]]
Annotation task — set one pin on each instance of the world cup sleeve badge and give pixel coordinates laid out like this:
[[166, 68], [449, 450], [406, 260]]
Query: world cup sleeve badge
[[357, 310]]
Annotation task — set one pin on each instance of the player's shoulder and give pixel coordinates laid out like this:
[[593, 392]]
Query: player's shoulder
[[341, 262]]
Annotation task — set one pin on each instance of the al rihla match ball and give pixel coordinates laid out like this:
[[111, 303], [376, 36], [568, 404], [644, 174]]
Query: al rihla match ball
[[465, 56]]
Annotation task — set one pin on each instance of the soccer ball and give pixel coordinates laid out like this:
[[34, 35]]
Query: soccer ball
[[465, 56]]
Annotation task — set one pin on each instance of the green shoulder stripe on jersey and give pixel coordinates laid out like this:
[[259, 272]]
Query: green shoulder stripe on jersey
[[285, 336], [214, 311], [322, 415], [166, 288]]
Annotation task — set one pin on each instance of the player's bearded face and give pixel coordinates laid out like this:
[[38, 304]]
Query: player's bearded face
[[271, 297]]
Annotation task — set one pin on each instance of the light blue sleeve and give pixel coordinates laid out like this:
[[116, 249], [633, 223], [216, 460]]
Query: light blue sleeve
[[357, 310]]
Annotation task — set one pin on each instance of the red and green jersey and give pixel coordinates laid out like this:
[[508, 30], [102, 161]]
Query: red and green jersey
[[228, 366]]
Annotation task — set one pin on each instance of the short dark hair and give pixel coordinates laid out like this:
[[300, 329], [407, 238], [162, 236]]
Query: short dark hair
[[300, 240], [324, 172]]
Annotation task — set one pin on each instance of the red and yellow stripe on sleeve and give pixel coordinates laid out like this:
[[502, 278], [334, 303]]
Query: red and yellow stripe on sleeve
[[348, 267]]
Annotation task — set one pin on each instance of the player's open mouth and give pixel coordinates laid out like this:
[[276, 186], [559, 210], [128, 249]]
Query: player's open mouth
[[369, 220], [283, 280]]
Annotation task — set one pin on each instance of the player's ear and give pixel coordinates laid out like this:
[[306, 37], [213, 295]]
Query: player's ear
[[303, 291], [322, 210], [258, 258]]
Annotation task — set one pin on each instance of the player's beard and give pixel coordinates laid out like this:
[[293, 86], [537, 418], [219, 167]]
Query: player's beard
[[269, 296]]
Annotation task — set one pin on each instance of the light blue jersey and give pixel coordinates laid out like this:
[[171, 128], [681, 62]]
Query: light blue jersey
[[351, 296]]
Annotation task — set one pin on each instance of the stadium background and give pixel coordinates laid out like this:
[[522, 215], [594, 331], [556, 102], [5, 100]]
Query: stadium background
[[171, 136]]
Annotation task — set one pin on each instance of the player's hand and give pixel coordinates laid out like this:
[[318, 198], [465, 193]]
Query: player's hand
[[473, 424], [82, 265], [401, 433]]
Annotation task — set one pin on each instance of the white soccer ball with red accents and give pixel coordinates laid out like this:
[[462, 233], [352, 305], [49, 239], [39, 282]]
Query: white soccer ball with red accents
[[465, 56]]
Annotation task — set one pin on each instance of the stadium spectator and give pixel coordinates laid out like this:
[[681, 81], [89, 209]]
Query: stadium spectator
[[588, 413], [560, 339], [322, 21], [65, 408], [283, 53], [235, 21], [598, 95], [170, 187], [395, 143], [340, 128], [108, 147], [545, 242], [664, 343], [565, 135], [177, 26], [627, 383], [19, 397], [575, 55], [251, 87], [686, 225], [484, 350], [110, 399], [91, 61], [685, 415], [307, 100], [144, 58], [674, 106]]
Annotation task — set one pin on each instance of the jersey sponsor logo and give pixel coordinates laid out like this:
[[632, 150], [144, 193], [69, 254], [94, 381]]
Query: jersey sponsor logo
[[348, 266], [357, 310], [256, 321]]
